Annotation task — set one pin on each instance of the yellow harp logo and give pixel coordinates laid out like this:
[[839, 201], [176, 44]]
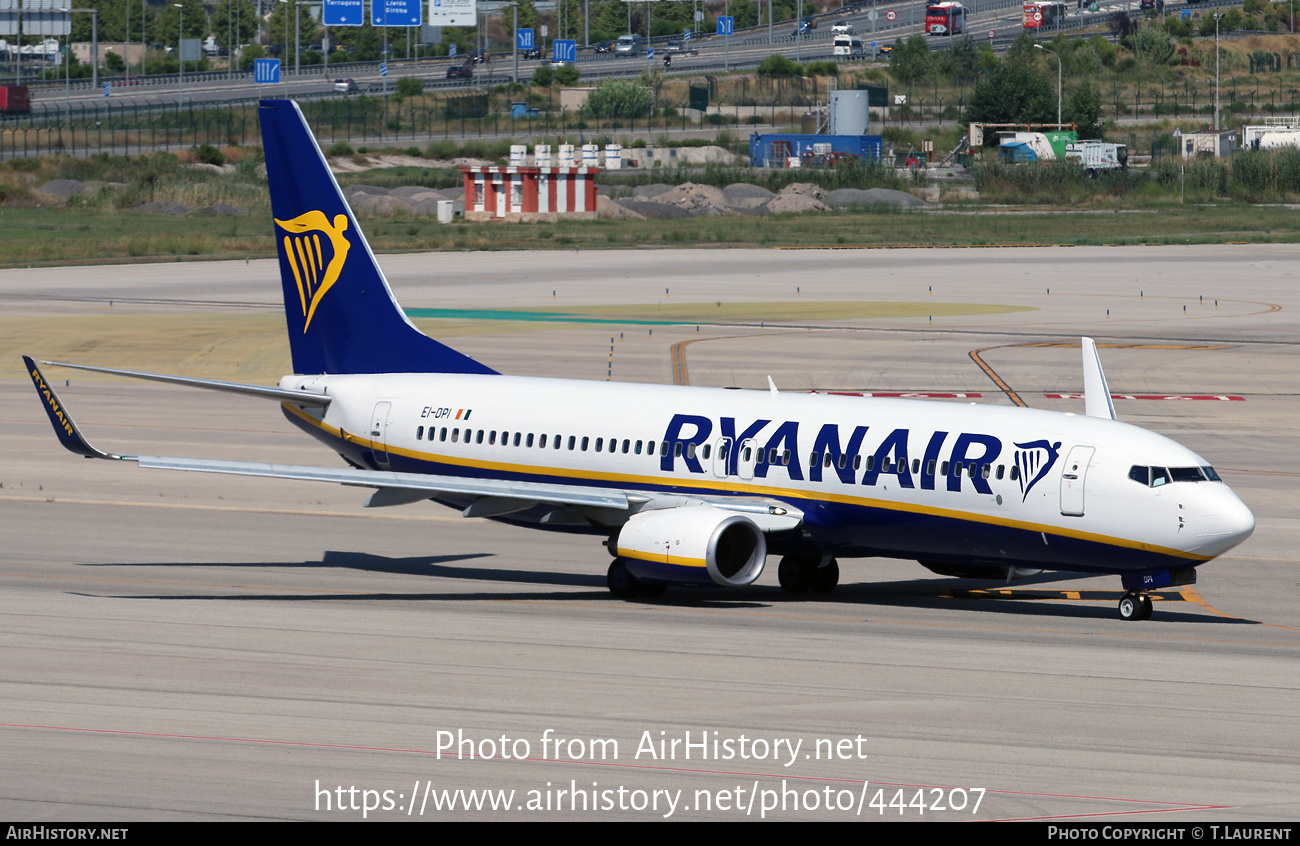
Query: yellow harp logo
[[313, 269]]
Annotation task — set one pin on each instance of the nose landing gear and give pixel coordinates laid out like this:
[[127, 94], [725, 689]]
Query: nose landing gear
[[1135, 606]]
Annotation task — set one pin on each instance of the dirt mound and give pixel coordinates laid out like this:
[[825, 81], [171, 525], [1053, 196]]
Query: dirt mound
[[652, 190], [742, 195], [798, 198], [697, 199], [844, 198], [607, 209], [62, 189], [648, 208]]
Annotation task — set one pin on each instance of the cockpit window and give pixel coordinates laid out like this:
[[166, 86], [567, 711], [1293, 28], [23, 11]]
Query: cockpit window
[[1156, 476]]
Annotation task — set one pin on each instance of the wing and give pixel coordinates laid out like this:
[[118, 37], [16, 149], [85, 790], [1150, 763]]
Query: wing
[[491, 497]]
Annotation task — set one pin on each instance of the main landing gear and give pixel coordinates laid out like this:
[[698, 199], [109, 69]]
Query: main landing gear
[[624, 585], [1135, 606], [799, 573]]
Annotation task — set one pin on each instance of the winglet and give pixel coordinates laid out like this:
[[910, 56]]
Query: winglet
[[64, 427], [1096, 393]]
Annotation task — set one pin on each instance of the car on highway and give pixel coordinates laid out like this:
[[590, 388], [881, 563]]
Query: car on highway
[[673, 47], [460, 72], [345, 86], [480, 57], [603, 47], [808, 24], [531, 53]]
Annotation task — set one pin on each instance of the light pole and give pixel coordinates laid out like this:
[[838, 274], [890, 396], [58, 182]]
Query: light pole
[[284, 51], [1217, 17], [180, 54], [1058, 83]]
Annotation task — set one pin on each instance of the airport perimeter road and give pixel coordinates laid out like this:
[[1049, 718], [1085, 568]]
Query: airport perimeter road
[[187, 647]]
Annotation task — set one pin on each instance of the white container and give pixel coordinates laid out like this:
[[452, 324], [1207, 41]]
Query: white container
[[542, 155], [566, 156], [613, 157], [590, 155], [518, 155]]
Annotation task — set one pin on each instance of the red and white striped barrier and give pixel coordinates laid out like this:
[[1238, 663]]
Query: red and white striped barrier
[[500, 193]]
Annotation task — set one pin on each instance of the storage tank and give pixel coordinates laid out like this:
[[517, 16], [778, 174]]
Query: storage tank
[[849, 113]]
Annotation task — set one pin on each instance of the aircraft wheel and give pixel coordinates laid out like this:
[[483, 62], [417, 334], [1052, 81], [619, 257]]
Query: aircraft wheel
[[622, 583], [824, 579], [1146, 607], [1131, 607], [794, 574], [651, 591]]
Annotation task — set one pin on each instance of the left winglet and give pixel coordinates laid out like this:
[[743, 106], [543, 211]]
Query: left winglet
[[62, 421], [1096, 393]]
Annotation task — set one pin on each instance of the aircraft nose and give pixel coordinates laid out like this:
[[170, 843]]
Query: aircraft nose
[[1222, 520]]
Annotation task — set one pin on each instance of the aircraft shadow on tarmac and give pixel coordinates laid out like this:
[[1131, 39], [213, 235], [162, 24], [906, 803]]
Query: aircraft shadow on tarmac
[[1032, 597]]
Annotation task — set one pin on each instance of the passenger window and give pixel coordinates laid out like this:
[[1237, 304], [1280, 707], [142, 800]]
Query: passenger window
[[663, 448], [455, 435], [677, 449], [829, 459], [690, 450], [442, 433], [785, 458], [814, 458], [1002, 470], [638, 448], [541, 442], [1015, 472], [628, 444], [987, 471], [943, 469], [572, 440], [929, 467], [599, 443], [529, 442], [844, 461], [704, 453], [478, 438], [857, 462], [586, 442], [419, 433], [530, 439], [916, 465], [871, 463], [492, 438]]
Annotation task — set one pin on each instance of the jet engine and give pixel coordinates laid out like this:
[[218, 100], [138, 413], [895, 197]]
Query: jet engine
[[692, 545]]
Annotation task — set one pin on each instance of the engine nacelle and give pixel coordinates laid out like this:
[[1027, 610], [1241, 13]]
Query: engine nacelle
[[695, 545]]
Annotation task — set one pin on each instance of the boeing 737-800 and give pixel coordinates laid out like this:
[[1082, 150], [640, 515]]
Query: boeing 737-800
[[696, 486]]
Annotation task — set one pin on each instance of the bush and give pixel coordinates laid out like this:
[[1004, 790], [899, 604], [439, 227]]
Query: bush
[[408, 86], [543, 76], [618, 98], [567, 75], [340, 148], [779, 66], [208, 154]]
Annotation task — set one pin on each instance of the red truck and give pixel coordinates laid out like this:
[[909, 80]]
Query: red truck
[[14, 100]]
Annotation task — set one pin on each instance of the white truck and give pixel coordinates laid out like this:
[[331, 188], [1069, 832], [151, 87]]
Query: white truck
[[1098, 155]]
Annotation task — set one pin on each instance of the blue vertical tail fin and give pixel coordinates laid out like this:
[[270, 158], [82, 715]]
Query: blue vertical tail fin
[[342, 315]]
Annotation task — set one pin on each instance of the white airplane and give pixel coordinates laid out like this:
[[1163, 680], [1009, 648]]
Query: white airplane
[[695, 486]]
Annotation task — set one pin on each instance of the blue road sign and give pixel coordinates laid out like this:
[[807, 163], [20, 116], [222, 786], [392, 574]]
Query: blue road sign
[[451, 51], [524, 39], [1187, 14], [344, 12], [266, 70], [565, 50], [395, 13], [726, 24], [383, 68], [108, 87], [649, 53], [686, 36]]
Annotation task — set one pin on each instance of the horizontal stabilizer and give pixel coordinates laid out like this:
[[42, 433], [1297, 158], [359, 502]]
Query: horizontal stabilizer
[[281, 394]]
